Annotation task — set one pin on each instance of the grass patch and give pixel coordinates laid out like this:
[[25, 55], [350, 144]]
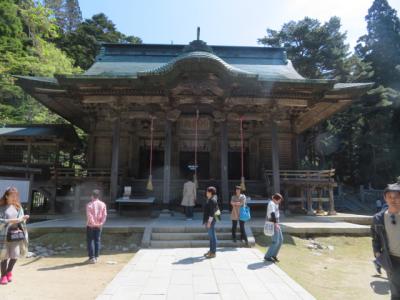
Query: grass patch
[[344, 271], [75, 242]]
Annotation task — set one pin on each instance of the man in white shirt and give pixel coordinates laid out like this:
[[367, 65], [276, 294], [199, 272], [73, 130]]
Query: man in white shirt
[[277, 239]]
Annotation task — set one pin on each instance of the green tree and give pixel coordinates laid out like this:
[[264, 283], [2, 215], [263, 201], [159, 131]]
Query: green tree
[[29, 25], [57, 11], [73, 14], [316, 50], [66, 12], [381, 45], [84, 43]]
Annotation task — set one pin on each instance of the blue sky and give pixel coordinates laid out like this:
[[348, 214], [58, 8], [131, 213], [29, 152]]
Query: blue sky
[[224, 22]]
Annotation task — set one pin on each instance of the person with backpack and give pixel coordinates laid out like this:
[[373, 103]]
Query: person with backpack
[[211, 214]]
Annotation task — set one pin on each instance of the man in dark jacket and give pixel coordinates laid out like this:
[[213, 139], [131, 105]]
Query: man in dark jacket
[[386, 238]]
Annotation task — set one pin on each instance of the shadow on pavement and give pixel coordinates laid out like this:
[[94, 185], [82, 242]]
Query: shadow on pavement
[[189, 260], [259, 265], [380, 287], [61, 267]]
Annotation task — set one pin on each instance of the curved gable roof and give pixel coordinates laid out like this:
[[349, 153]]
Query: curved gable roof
[[130, 60]]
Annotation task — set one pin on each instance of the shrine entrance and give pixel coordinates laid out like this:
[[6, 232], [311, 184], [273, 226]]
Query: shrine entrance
[[186, 165], [186, 162]]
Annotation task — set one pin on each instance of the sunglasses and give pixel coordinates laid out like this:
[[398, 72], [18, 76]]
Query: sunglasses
[[393, 219]]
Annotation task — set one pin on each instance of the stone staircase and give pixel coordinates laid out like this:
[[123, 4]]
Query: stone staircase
[[191, 236]]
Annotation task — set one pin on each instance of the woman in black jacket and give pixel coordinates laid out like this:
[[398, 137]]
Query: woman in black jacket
[[210, 213]]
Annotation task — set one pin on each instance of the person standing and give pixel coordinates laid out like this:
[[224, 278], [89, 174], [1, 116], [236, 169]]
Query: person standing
[[277, 239], [96, 213], [385, 231], [189, 198], [210, 214], [13, 233], [238, 200]]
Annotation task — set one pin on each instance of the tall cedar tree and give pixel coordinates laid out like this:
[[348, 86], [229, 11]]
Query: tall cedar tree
[[316, 50], [66, 12], [381, 45], [83, 44]]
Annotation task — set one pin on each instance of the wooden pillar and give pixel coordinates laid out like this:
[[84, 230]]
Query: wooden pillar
[[175, 157], [77, 198], [167, 162], [254, 158], [90, 152], [310, 210], [331, 202], [29, 158], [320, 208], [71, 158], [214, 158], [224, 163], [53, 200], [115, 160], [29, 204], [302, 199], [295, 151], [275, 157]]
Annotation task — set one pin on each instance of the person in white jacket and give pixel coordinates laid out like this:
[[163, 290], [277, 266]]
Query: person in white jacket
[[189, 198]]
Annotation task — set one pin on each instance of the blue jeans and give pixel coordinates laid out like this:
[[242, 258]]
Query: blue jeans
[[93, 241], [189, 212], [277, 241], [213, 237]]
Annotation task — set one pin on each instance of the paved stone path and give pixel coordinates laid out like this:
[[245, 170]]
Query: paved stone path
[[236, 273]]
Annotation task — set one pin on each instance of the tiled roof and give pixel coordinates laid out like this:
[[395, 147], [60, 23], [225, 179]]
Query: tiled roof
[[128, 60], [65, 132]]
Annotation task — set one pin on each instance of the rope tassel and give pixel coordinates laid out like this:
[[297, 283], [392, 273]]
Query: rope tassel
[[242, 181], [195, 150], [149, 185]]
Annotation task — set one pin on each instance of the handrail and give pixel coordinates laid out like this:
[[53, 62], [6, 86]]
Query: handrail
[[87, 173], [304, 174]]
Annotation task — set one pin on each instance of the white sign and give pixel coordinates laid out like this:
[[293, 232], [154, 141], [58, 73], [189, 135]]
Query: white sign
[[22, 185]]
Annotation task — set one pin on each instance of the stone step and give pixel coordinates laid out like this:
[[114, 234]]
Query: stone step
[[193, 244], [167, 236], [189, 229]]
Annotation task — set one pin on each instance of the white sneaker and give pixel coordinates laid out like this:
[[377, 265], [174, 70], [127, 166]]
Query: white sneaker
[[92, 261]]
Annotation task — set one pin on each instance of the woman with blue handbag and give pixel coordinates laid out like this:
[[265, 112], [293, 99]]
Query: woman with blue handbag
[[238, 213]]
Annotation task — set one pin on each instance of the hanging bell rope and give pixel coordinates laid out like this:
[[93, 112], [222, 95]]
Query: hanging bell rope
[[149, 186], [195, 148], [242, 181]]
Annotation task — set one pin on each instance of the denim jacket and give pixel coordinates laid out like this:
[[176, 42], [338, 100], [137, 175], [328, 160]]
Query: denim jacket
[[380, 242]]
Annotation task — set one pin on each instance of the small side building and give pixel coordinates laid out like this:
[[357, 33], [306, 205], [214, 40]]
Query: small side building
[[35, 151]]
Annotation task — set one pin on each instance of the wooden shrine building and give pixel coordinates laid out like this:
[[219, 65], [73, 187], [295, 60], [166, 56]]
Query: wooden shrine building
[[130, 87]]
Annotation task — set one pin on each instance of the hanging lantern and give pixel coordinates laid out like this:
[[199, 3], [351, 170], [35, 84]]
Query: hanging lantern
[[149, 185], [242, 181], [195, 149]]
